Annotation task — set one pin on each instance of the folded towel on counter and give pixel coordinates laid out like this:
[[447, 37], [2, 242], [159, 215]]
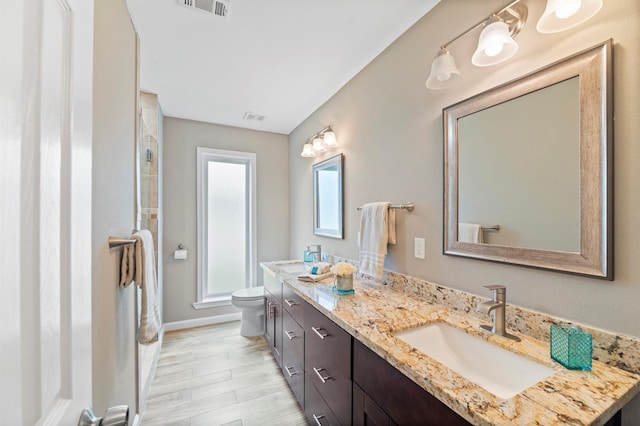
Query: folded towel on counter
[[470, 233], [314, 277], [320, 268], [377, 229]]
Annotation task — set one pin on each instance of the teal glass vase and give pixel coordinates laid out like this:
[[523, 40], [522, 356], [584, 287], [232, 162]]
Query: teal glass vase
[[571, 347]]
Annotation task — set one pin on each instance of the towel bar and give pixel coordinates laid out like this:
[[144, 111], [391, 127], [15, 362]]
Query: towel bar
[[118, 242], [491, 228], [406, 206]]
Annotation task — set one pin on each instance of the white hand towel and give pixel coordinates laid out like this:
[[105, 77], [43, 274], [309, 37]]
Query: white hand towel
[[374, 237], [145, 277], [314, 277], [470, 233]]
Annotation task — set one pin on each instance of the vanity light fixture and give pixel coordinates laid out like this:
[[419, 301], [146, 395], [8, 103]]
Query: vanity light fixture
[[495, 44], [561, 15], [319, 142]]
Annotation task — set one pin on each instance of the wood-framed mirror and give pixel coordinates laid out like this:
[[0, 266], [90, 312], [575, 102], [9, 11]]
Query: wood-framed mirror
[[327, 198], [528, 169]]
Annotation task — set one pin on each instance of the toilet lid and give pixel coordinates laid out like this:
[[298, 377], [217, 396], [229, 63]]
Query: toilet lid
[[251, 293]]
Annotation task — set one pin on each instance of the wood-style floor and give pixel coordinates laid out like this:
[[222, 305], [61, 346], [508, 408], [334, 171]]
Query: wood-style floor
[[213, 376]]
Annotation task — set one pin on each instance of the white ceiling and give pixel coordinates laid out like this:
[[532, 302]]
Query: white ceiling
[[282, 59]]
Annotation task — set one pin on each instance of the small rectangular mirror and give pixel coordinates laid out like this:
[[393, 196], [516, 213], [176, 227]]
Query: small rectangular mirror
[[327, 198]]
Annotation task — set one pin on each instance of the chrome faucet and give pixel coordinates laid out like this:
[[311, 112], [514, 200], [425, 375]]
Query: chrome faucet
[[496, 307]]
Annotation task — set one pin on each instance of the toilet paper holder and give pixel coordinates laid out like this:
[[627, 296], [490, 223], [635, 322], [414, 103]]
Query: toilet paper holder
[[180, 253]]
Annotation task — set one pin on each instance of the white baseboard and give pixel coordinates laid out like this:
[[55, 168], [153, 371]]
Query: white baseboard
[[146, 385], [199, 322], [135, 421]]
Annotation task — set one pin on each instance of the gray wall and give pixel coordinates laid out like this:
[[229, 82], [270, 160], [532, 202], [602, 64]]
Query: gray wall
[[389, 127], [114, 344], [181, 137]]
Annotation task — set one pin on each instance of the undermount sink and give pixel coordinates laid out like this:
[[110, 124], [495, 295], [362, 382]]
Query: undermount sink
[[501, 372], [293, 268]]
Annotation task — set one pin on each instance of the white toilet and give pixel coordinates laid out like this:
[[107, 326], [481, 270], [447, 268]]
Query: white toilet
[[251, 301]]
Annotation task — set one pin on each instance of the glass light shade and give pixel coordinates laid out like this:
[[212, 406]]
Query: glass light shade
[[318, 145], [329, 139], [495, 45], [307, 150], [558, 14], [443, 71]]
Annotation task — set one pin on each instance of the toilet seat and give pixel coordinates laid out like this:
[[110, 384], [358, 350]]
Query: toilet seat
[[248, 294]]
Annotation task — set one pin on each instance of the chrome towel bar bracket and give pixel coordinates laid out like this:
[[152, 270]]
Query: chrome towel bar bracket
[[119, 242], [405, 206]]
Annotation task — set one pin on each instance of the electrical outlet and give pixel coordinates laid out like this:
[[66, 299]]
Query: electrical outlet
[[418, 248]]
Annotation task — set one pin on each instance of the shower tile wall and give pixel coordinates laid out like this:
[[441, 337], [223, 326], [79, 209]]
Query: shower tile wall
[[149, 169]]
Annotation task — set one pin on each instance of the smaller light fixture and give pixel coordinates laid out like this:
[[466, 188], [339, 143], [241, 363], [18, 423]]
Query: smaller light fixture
[[443, 70], [561, 15], [319, 142], [329, 139], [307, 150], [495, 44]]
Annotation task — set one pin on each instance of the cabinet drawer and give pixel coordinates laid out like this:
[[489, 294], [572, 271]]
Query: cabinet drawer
[[293, 303], [327, 361], [316, 409], [292, 337], [294, 374]]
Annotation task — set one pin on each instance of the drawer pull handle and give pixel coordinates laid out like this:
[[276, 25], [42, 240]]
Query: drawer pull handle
[[323, 379], [289, 369], [290, 335], [271, 307], [317, 419], [317, 331], [290, 303]]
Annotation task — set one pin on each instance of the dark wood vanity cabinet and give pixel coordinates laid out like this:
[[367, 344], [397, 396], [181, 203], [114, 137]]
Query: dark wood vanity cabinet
[[338, 380], [327, 361], [387, 391]]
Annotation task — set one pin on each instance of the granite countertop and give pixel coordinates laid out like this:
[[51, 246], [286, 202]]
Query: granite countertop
[[375, 313]]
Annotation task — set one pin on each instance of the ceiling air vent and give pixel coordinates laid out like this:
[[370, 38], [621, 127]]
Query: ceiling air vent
[[215, 7], [253, 116]]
